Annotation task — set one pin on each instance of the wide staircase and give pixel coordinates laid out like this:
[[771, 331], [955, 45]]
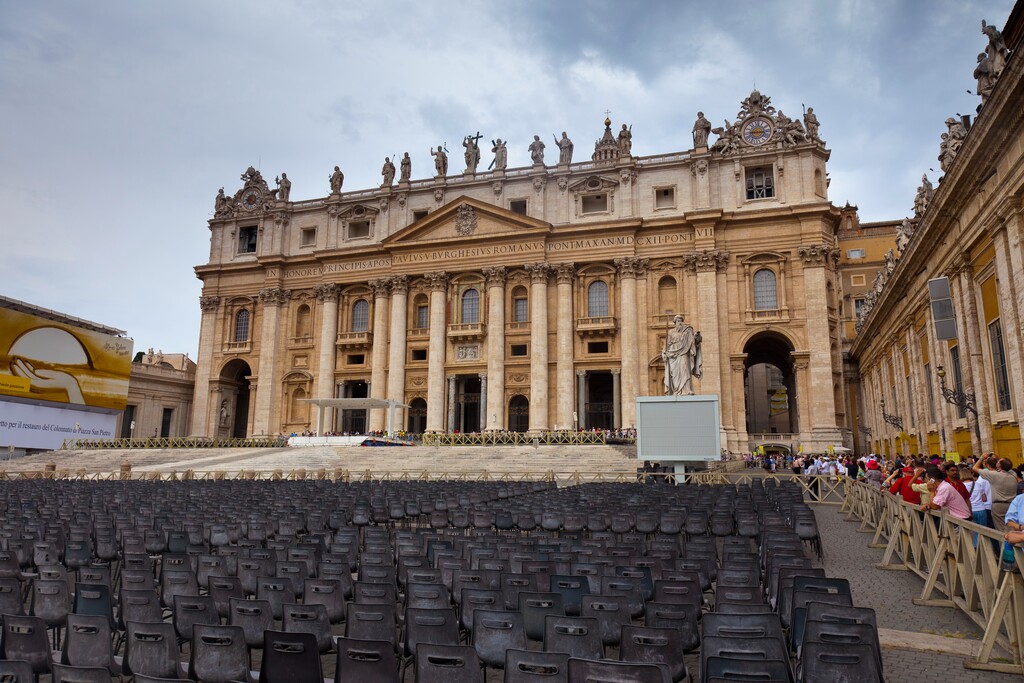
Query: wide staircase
[[591, 461]]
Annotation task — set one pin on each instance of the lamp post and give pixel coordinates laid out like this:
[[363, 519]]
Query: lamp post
[[959, 398], [895, 420]]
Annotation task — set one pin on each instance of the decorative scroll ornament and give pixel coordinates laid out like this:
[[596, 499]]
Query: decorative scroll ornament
[[465, 220], [209, 303], [817, 254]]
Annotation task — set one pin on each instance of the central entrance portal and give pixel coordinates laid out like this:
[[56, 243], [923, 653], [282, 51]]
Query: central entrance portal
[[600, 395], [354, 421], [464, 412]]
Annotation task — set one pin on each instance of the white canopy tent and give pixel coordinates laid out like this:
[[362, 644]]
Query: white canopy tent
[[356, 404]]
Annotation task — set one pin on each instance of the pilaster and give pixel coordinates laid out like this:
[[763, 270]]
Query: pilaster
[[397, 351], [627, 269], [493, 392], [202, 416], [327, 295], [538, 346], [436, 352], [564, 275], [379, 351], [267, 411]]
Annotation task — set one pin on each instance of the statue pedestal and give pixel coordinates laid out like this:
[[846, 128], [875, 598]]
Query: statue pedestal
[[700, 150]]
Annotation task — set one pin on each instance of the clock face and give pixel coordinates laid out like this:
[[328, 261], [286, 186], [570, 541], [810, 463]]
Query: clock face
[[757, 131], [251, 199]]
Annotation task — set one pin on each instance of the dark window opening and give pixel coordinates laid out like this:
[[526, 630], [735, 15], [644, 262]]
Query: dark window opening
[[597, 347]]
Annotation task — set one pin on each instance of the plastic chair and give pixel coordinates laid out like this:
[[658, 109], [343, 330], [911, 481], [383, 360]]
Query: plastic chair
[[426, 596], [575, 636], [25, 639], [11, 599], [365, 661], [94, 598], [730, 669], [65, 673], [290, 658], [88, 643], [151, 650], [222, 589], [190, 610], [371, 622], [430, 626], [218, 654], [253, 617], [572, 589], [535, 608], [825, 662], [526, 666], [513, 584], [592, 671], [309, 619], [611, 612], [50, 601], [663, 646], [447, 664], [495, 632], [839, 635], [682, 617], [474, 599], [742, 625], [759, 649]]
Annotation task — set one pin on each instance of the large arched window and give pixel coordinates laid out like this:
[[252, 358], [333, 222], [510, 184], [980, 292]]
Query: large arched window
[[667, 295], [360, 316], [470, 306], [242, 326], [303, 323], [520, 305], [597, 299], [765, 290]]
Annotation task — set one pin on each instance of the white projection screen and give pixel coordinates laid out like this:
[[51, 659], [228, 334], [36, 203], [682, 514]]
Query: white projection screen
[[678, 428]]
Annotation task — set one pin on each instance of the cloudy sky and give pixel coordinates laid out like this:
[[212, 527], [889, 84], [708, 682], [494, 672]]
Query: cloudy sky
[[122, 118]]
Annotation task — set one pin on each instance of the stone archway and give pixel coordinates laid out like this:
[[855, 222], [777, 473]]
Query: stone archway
[[769, 385], [233, 408]]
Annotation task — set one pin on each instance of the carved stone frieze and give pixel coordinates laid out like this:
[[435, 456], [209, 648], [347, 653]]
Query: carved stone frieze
[[439, 195], [496, 187], [563, 183], [699, 168], [274, 296], [495, 276], [467, 352], [465, 220], [713, 260], [539, 183], [632, 266], [400, 284], [438, 280], [326, 292], [538, 271], [565, 273], [381, 288], [818, 254], [209, 303]]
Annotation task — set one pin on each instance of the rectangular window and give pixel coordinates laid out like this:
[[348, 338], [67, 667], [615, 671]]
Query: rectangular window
[[358, 229], [355, 359], [760, 184], [418, 354], [165, 423], [419, 214], [517, 350], [597, 347], [995, 337], [958, 378], [855, 254], [520, 310], [858, 306], [247, 240], [929, 392], [308, 237], [665, 198], [422, 317], [595, 203], [517, 206]]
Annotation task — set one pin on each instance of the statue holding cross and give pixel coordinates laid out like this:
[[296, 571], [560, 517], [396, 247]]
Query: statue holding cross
[[470, 142]]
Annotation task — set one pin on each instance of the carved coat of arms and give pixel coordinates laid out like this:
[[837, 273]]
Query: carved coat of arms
[[465, 220]]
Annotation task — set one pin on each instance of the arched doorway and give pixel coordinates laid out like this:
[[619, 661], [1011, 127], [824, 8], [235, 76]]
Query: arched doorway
[[233, 411], [769, 385], [518, 414], [417, 416]]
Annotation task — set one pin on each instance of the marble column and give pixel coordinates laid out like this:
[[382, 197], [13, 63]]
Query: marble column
[[538, 346], [436, 352], [204, 418], [581, 399], [617, 399], [397, 352], [564, 275], [379, 352], [817, 260], [494, 395], [327, 295], [800, 363], [738, 367], [707, 264], [272, 299], [451, 403], [628, 269], [483, 402]]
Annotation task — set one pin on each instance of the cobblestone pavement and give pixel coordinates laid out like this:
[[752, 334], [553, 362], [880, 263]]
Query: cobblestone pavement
[[889, 593]]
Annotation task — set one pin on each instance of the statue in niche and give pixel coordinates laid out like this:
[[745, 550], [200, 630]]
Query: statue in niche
[[537, 151], [472, 154], [406, 168], [682, 356], [996, 49], [284, 187], [440, 161], [500, 150], [811, 125], [626, 140], [701, 129], [225, 414], [565, 147], [388, 171], [337, 179]]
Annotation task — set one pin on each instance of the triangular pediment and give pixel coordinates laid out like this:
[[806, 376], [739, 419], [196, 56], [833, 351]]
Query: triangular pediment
[[464, 218]]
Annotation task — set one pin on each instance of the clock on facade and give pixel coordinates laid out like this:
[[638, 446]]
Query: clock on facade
[[757, 131], [251, 199]]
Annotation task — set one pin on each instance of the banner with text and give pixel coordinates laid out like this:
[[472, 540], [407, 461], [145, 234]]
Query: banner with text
[[34, 426]]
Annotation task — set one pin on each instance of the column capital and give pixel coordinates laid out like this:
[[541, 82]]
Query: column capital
[[274, 296], [326, 292], [209, 303], [818, 254], [538, 272], [438, 280], [581, 373], [495, 276], [631, 267], [616, 371], [565, 273], [483, 376], [381, 288], [400, 284], [712, 260]]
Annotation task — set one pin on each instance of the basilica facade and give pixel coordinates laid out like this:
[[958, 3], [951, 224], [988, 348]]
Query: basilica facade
[[537, 298]]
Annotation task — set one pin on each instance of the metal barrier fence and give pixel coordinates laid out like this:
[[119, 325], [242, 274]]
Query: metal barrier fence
[[173, 442], [559, 438], [817, 488], [956, 571]]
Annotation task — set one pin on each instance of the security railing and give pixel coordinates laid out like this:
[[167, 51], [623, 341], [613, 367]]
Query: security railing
[[550, 438], [173, 442]]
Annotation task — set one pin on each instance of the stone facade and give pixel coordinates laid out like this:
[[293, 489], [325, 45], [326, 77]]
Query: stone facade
[[971, 231], [535, 298], [160, 391]]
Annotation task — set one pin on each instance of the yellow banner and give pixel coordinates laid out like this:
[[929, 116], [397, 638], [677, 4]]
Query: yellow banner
[[953, 456], [53, 361]]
